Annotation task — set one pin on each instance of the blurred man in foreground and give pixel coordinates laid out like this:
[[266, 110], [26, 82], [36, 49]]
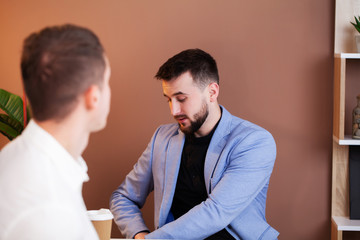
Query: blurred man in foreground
[[66, 75]]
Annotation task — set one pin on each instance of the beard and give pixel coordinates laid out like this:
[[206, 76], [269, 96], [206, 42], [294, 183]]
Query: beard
[[199, 119]]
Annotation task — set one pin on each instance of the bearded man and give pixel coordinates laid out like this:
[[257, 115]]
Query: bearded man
[[209, 172]]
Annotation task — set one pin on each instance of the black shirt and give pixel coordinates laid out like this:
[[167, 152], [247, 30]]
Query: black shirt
[[190, 187]]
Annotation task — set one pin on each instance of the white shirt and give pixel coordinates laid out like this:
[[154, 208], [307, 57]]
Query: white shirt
[[41, 190]]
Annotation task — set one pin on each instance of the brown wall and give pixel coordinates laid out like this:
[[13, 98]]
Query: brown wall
[[276, 67]]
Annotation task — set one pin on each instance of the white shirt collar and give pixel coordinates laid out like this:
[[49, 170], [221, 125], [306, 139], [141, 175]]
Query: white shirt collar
[[74, 171]]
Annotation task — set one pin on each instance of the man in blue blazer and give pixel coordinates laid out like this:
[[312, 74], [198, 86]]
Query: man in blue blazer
[[209, 172]]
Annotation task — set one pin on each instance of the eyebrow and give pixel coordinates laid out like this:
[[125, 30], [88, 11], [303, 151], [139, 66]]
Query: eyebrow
[[176, 94]]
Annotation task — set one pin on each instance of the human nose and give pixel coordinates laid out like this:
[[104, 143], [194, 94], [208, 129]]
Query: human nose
[[175, 108]]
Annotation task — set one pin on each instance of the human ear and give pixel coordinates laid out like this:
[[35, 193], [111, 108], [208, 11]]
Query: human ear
[[92, 97], [213, 91]]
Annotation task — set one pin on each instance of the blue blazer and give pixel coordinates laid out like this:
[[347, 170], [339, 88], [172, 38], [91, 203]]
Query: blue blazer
[[238, 165]]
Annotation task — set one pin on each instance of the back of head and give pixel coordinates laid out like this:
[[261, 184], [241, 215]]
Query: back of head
[[58, 64], [200, 64]]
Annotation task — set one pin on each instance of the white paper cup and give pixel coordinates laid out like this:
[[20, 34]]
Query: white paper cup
[[102, 221]]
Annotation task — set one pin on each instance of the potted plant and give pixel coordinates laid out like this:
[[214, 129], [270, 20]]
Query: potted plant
[[357, 27], [13, 119]]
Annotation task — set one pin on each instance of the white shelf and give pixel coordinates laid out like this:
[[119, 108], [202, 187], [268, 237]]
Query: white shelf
[[348, 55], [348, 140], [345, 224]]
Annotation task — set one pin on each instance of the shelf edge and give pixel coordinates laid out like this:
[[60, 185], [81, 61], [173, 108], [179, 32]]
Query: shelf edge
[[345, 224], [347, 55], [348, 140]]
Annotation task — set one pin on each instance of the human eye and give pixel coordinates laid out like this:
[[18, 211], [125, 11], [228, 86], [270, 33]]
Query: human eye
[[181, 99]]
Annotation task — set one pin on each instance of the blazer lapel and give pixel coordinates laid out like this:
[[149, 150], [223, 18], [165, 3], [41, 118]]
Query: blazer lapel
[[216, 146], [172, 164], [212, 157]]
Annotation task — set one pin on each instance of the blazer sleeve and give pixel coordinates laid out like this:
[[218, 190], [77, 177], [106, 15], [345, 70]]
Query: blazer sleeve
[[127, 200], [250, 163]]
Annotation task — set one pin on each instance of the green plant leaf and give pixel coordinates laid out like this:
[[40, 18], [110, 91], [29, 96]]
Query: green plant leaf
[[357, 21], [8, 131], [11, 122], [357, 27], [6, 135], [12, 105]]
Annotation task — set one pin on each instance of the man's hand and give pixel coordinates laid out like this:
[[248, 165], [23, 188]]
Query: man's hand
[[141, 235]]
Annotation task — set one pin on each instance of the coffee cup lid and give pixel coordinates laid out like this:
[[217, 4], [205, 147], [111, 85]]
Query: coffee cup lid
[[100, 215]]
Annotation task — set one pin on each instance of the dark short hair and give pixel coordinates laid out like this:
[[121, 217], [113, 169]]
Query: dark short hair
[[58, 64], [200, 64]]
